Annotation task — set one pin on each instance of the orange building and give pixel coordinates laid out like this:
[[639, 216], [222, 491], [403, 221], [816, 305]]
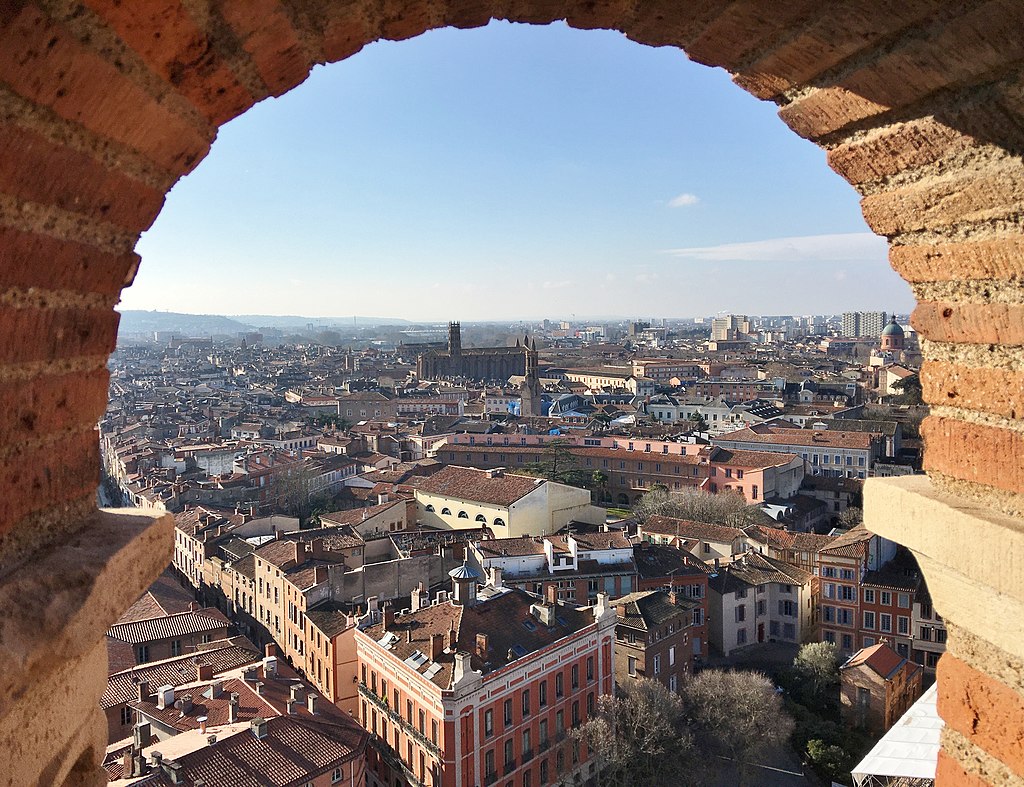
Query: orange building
[[481, 686]]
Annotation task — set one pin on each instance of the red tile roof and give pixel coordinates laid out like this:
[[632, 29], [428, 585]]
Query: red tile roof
[[466, 483]]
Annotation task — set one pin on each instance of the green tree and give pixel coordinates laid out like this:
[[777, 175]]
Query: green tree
[[832, 762], [599, 482], [698, 422], [910, 391], [816, 669]]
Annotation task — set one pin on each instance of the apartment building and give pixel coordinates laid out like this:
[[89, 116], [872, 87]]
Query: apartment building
[[575, 566], [877, 686], [703, 540], [482, 684], [652, 637], [756, 599], [826, 452]]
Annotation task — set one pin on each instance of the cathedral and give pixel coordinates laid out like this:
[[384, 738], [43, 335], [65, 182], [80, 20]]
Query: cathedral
[[477, 363]]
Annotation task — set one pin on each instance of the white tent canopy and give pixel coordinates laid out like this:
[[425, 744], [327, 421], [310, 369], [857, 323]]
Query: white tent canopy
[[907, 754]]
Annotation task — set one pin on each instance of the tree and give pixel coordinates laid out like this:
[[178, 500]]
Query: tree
[[640, 737], [851, 517], [832, 762], [910, 390], [725, 508], [737, 716], [557, 463], [599, 481], [699, 422], [816, 668]]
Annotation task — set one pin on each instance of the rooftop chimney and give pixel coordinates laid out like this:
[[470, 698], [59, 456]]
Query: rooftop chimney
[[551, 594], [142, 734], [165, 697], [233, 708], [297, 692], [270, 667], [311, 703], [204, 672], [289, 707], [496, 576], [461, 666], [270, 649], [156, 759], [202, 724], [389, 616], [416, 598], [259, 727], [483, 649], [142, 691], [436, 646], [259, 687]]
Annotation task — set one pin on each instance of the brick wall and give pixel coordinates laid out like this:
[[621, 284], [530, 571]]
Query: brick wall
[[104, 105]]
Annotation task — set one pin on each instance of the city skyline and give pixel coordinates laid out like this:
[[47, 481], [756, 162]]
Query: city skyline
[[589, 176]]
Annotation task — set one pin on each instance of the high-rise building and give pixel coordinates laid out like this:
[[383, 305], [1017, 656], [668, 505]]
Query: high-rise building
[[863, 324], [729, 327]]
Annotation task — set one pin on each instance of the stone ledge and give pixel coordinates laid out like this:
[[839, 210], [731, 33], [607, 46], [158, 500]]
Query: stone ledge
[[56, 611], [972, 557]]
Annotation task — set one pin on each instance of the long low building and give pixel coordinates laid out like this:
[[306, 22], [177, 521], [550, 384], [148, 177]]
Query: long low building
[[841, 454], [628, 474]]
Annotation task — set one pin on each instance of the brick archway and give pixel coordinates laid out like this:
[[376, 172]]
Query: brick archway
[[105, 104]]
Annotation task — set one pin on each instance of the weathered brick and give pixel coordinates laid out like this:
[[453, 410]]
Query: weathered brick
[[827, 110], [347, 32], [988, 713], [659, 23], [731, 36], [37, 478], [949, 773], [265, 32], [896, 149], [989, 390], [163, 34], [839, 32], [44, 63], [29, 334], [28, 259], [982, 454], [33, 408], [973, 198], [601, 14], [976, 323], [991, 259], [35, 169]]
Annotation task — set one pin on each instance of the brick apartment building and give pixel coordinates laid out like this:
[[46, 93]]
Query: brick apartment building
[[482, 686], [652, 637]]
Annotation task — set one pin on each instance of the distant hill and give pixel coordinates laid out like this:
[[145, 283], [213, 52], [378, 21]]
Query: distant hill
[[144, 322]]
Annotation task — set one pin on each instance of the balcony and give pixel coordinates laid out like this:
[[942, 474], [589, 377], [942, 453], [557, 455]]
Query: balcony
[[490, 777], [510, 765], [405, 726]]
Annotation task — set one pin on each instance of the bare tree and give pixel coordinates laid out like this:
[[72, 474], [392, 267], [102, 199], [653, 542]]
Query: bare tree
[[639, 737], [726, 508], [734, 715]]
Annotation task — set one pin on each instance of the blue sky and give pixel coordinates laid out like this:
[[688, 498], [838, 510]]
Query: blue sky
[[513, 172]]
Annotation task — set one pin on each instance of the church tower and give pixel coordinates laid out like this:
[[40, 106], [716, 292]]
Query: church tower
[[455, 339], [530, 390]]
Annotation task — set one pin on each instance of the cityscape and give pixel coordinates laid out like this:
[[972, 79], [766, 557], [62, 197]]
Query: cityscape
[[422, 554], [534, 393]]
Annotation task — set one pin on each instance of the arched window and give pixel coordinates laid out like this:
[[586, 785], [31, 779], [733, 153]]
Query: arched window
[[623, 499], [463, 515], [446, 512], [481, 518], [430, 508], [499, 522]]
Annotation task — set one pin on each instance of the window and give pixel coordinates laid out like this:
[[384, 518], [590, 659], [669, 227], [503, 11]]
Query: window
[[508, 712], [489, 764], [753, 491], [741, 613], [127, 716], [142, 654], [590, 668], [542, 693], [632, 666], [463, 515], [499, 522], [885, 622], [903, 625], [559, 688], [847, 642], [446, 512], [527, 747], [510, 754], [543, 772], [869, 596], [741, 637], [869, 620], [657, 664], [429, 508], [886, 598], [575, 676], [903, 600], [672, 656], [175, 647], [337, 776], [526, 702], [576, 713], [488, 722]]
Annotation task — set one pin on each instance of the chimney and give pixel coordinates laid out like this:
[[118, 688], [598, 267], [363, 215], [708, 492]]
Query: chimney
[[270, 667], [259, 727], [202, 724], [389, 616], [483, 649], [436, 646], [311, 703], [165, 697], [551, 594], [289, 707], [156, 759], [496, 576], [204, 672], [184, 705], [417, 596], [142, 734], [142, 691], [320, 575], [300, 552], [259, 687], [270, 649], [297, 692], [233, 708], [462, 667]]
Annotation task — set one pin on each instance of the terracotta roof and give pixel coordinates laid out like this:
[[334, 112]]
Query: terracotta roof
[[506, 619], [509, 547], [182, 624], [799, 437], [852, 543], [788, 539], [163, 597], [755, 569], [754, 460], [686, 528], [121, 686], [356, 515], [885, 661], [650, 609], [656, 561], [466, 483]]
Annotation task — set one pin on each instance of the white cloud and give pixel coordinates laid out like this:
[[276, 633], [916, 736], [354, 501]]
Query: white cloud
[[556, 285], [839, 247], [683, 200]]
